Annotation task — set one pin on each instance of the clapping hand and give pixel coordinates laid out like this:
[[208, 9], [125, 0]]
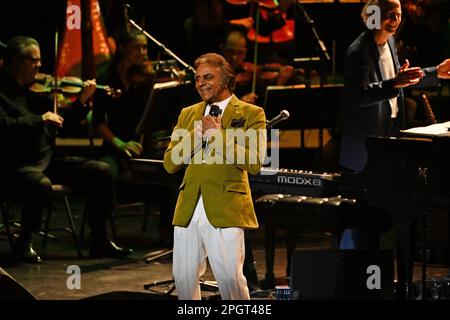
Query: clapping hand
[[443, 70], [407, 76]]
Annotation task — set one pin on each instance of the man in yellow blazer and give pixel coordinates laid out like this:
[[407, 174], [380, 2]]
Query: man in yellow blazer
[[218, 141]]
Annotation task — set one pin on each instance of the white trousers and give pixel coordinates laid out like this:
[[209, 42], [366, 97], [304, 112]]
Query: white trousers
[[225, 249]]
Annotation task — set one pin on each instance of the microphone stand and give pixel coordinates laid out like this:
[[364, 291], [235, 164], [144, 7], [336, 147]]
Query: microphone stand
[[324, 58], [310, 22], [162, 47]]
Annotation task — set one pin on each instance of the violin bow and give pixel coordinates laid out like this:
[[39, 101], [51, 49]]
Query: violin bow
[[55, 92]]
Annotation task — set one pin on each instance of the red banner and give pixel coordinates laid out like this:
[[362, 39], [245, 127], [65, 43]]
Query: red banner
[[70, 51]]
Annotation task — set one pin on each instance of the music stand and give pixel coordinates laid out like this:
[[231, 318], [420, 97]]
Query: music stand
[[159, 117], [162, 110], [310, 107]]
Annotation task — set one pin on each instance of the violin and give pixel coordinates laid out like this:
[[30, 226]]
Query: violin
[[45, 83], [167, 70], [270, 73], [141, 72]]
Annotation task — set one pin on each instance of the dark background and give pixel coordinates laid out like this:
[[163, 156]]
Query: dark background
[[165, 21], [337, 24], [40, 20]]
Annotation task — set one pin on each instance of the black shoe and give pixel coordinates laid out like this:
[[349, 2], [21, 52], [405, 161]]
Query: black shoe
[[108, 249], [26, 253]]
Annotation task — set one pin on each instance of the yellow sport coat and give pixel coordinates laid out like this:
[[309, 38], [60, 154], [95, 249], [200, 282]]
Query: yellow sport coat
[[224, 187]]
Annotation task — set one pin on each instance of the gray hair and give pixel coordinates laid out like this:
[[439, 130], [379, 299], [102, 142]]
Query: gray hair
[[214, 59], [18, 48]]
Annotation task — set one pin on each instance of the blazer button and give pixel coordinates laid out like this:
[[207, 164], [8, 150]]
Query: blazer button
[[203, 161]]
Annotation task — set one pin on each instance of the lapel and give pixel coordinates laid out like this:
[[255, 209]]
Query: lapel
[[375, 54], [199, 112], [391, 43], [233, 110]]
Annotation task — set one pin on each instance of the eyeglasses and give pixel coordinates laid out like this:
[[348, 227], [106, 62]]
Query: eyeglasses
[[33, 60], [393, 16]]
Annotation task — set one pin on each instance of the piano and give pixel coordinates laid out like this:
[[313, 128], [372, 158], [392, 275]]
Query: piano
[[407, 177], [268, 181], [295, 199], [294, 182]]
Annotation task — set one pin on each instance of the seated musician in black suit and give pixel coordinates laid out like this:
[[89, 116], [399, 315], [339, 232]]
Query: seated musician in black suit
[[29, 164], [374, 101]]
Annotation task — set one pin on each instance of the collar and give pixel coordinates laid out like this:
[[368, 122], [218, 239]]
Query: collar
[[221, 104]]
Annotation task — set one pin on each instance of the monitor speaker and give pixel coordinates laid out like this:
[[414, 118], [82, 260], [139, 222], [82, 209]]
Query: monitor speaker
[[10, 289], [342, 274]]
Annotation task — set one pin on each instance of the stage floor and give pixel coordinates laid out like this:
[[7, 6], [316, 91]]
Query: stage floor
[[49, 280]]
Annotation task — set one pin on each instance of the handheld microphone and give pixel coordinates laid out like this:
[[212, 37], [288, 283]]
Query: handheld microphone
[[284, 114], [214, 111]]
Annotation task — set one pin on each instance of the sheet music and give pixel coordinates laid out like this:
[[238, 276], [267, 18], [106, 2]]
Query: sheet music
[[168, 84], [436, 129]]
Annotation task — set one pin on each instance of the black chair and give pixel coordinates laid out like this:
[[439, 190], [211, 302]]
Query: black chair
[[5, 218], [122, 205], [7, 199], [64, 192]]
